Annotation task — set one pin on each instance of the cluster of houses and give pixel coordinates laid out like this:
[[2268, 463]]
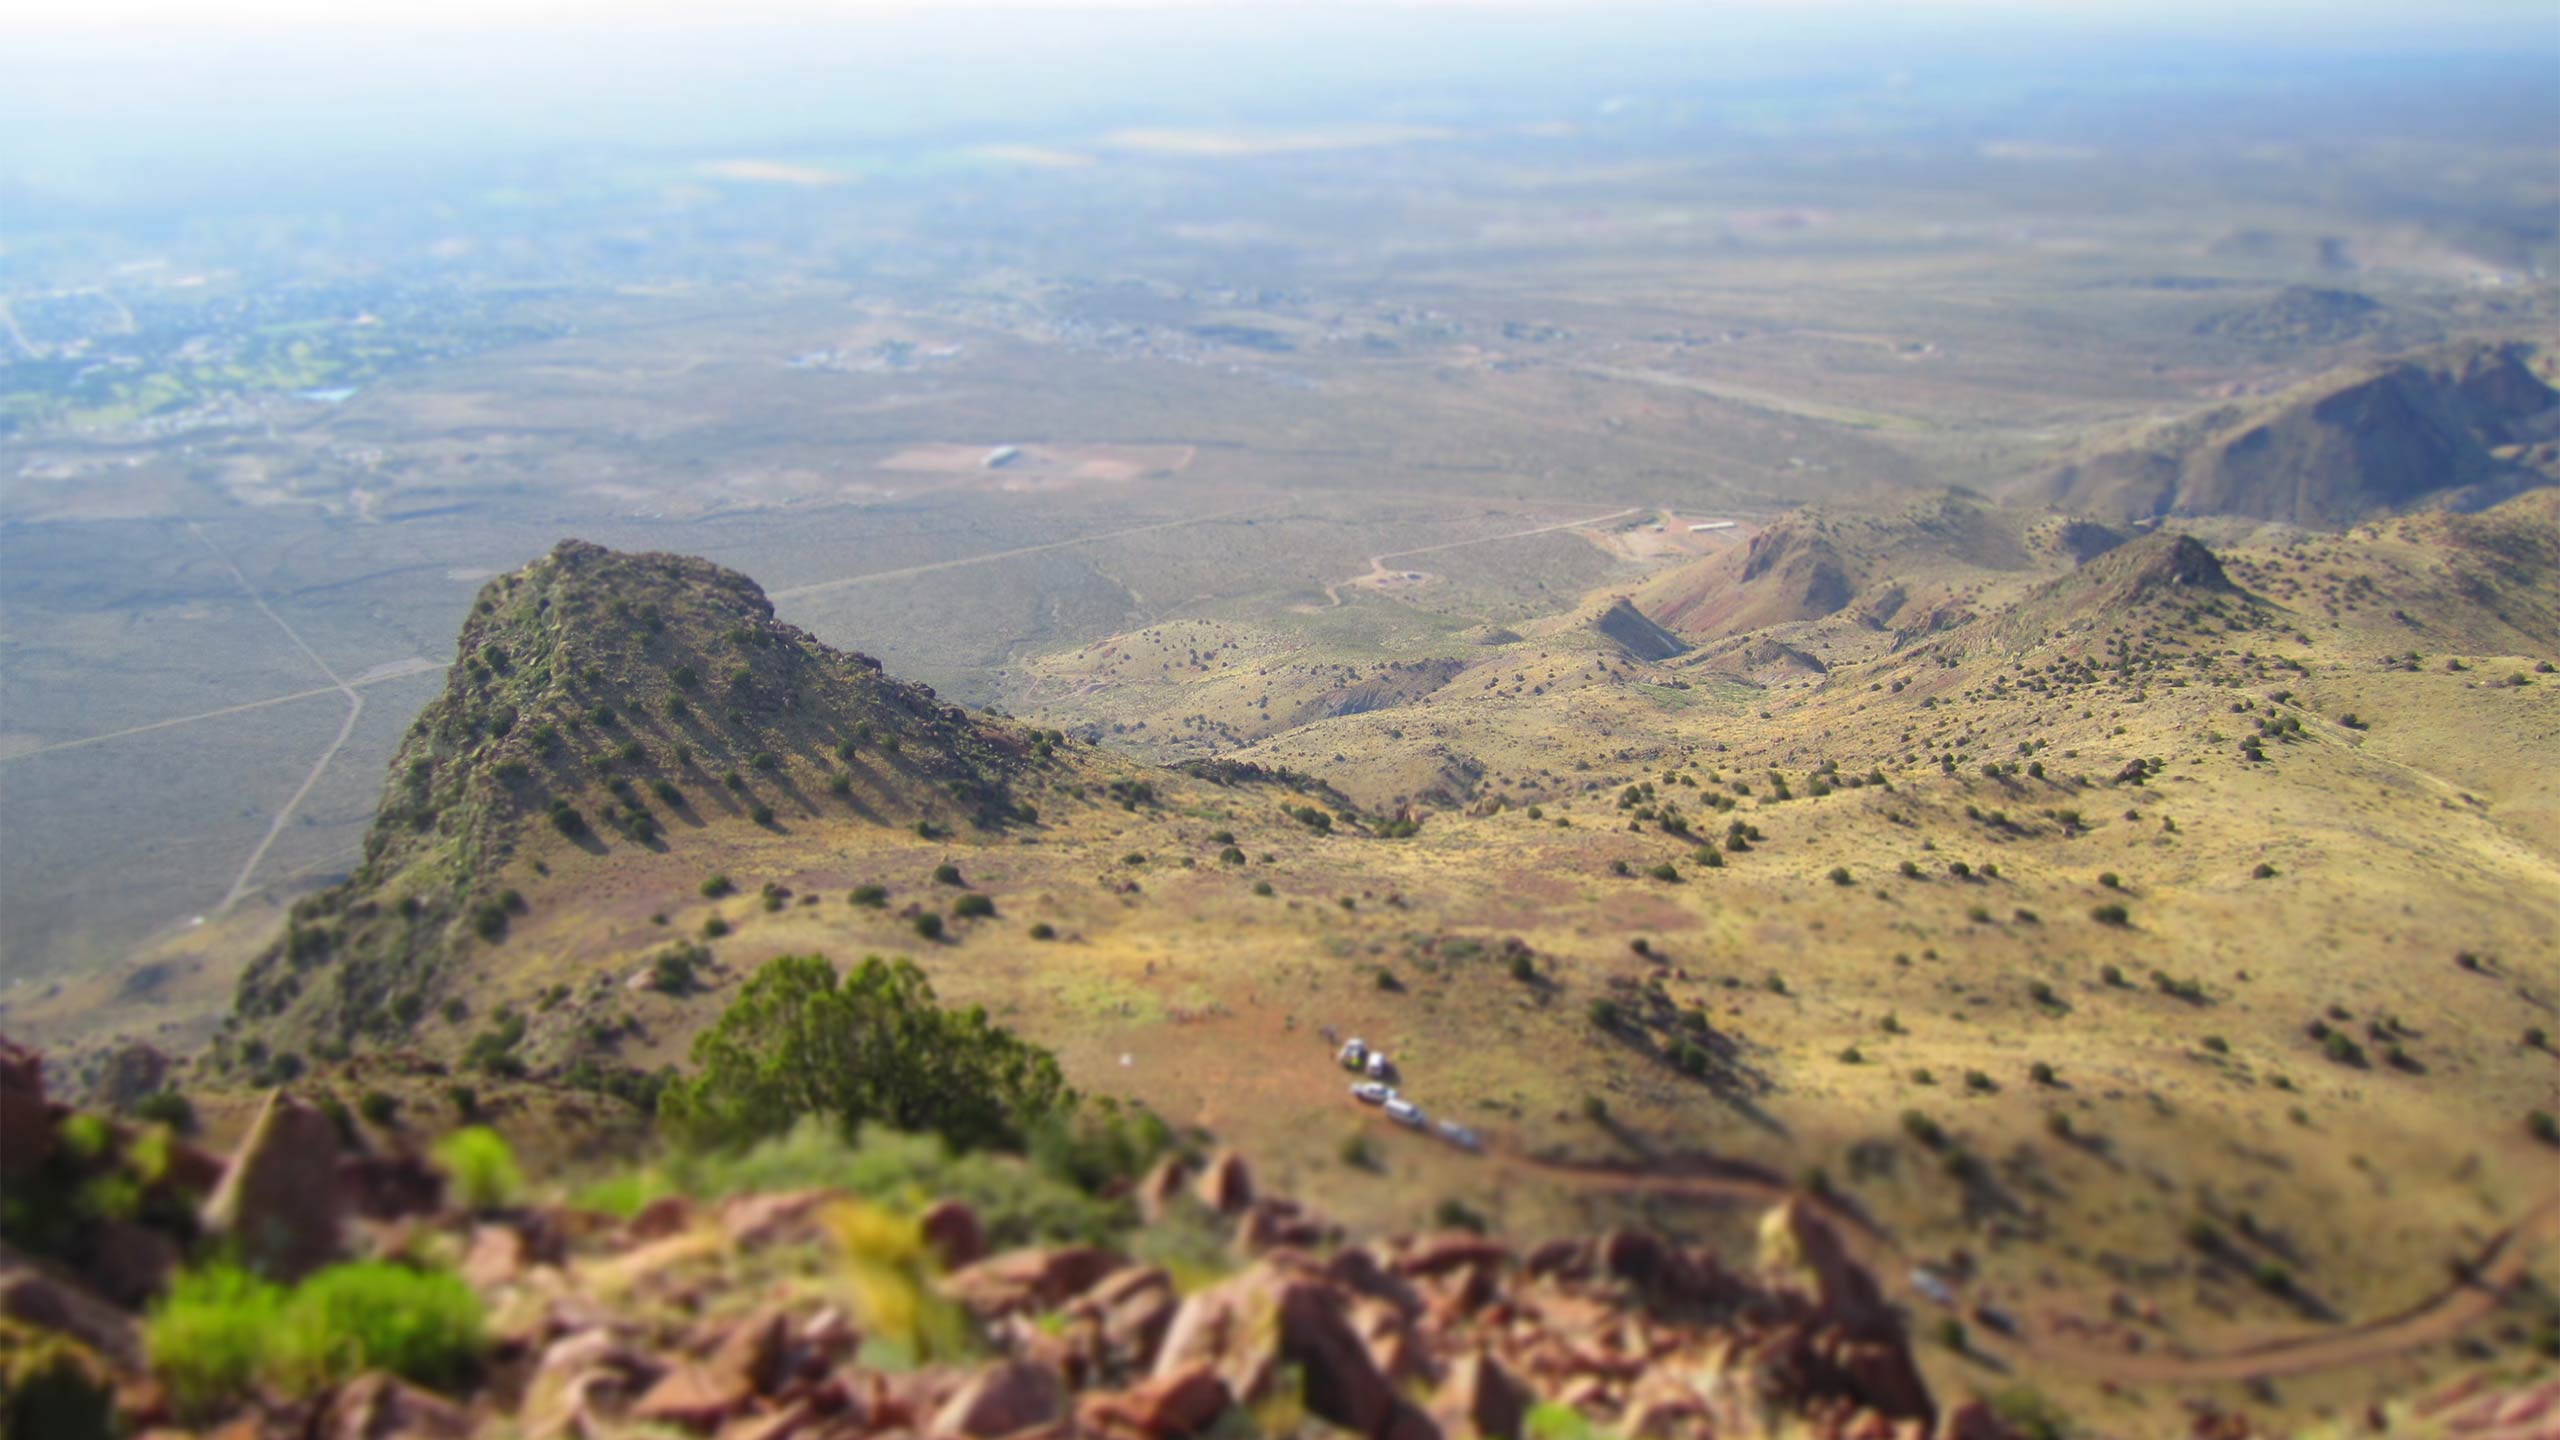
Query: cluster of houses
[[1380, 1089]]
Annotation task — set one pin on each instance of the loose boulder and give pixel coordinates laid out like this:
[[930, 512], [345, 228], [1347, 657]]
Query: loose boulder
[[278, 1200]]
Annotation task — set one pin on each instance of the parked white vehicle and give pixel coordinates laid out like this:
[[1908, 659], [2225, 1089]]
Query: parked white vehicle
[[1380, 1067], [1930, 1283], [1355, 1053], [1370, 1092], [1460, 1136], [1405, 1112]]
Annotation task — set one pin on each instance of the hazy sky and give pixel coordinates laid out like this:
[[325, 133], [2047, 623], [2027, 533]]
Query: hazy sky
[[2528, 23], [109, 100]]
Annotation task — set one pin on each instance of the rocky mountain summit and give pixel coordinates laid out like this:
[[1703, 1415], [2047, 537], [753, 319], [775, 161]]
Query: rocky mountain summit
[[603, 701]]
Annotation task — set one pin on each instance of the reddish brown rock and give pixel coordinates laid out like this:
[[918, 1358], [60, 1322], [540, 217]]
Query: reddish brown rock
[[755, 1352], [831, 1335], [697, 1397], [1399, 1352], [1975, 1420], [1226, 1186], [1278, 1225], [277, 1205], [780, 1424], [667, 1215], [583, 1383], [26, 1117], [1634, 1256], [1130, 1311], [1168, 1407], [768, 1219], [1005, 1399], [1481, 1398], [1162, 1186], [390, 1187], [1252, 1324], [130, 1262], [49, 1304], [1570, 1259], [1038, 1279], [1665, 1406], [1800, 1249], [1359, 1272], [497, 1256], [1450, 1249], [378, 1407], [952, 1231]]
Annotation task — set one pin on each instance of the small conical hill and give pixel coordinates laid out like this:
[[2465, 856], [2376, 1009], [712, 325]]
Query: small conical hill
[[604, 700]]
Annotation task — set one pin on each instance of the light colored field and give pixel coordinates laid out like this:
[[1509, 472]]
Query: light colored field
[[1017, 468]]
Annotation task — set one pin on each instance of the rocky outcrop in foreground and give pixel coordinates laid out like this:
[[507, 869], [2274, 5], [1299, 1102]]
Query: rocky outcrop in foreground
[[814, 1315]]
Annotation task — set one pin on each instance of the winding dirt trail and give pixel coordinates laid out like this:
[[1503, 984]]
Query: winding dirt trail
[[2486, 1280]]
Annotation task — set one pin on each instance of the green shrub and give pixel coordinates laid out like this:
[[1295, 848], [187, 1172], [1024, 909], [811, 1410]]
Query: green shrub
[[973, 907], [928, 926], [715, 886], [674, 970], [1018, 1203], [208, 1336], [947, 873], [220, 1329], [481, 1167], [377, 1108], [167, 1107], [1840, 875], [872, 1046], [421, 1325], [1043, 930], [1453, 1213], [870, 897], [2030, 1414], [1555, 1420], [2111, 915]]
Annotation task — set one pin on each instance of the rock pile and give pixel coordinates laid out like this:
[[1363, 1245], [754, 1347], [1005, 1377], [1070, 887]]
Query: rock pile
[[747, 1319]]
